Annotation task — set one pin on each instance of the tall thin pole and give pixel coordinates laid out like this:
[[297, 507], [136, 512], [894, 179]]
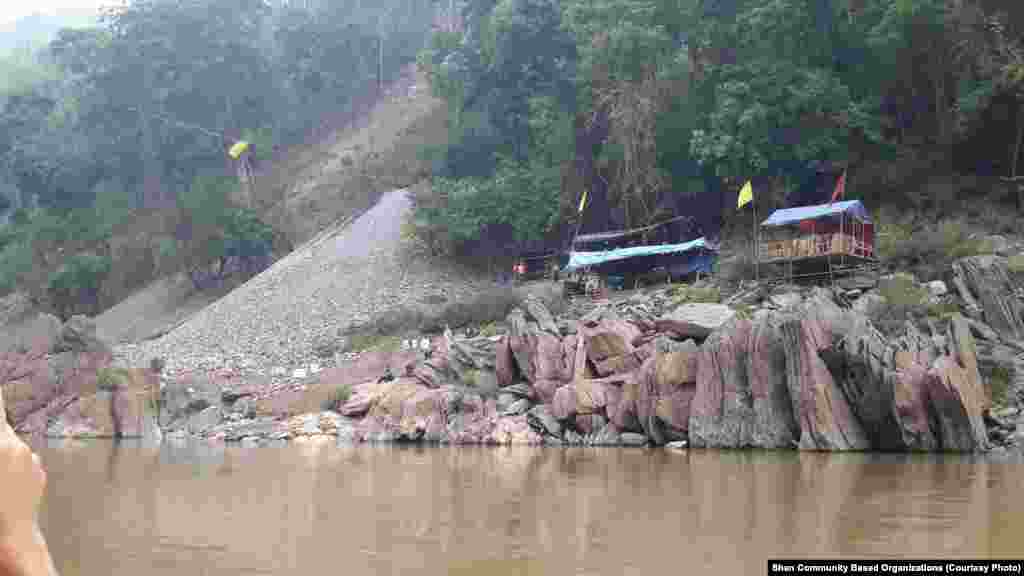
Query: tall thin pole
[[757, 246]]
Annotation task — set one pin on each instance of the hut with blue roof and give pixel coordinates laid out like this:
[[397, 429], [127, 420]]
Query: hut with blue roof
[[826, 239]]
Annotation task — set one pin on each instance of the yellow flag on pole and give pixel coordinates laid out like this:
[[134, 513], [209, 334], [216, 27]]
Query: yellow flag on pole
[[238, 148], [583, 201], [746, 195]]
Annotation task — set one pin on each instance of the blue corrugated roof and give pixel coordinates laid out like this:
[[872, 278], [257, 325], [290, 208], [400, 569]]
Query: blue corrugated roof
[[584, 259], [788, 216]]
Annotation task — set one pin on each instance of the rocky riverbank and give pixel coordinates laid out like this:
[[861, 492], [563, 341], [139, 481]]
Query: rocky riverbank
[[781, 368]]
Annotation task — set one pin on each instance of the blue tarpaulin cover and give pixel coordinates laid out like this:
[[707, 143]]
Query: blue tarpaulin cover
[[789, 216], [579, 260]]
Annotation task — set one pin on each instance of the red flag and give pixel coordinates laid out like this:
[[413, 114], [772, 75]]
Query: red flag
[[840, 190]]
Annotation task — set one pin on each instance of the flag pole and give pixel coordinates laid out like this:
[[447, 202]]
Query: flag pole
[[757, 247]]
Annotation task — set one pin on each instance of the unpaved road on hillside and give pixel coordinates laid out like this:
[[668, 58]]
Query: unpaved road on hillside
[[347, 275]]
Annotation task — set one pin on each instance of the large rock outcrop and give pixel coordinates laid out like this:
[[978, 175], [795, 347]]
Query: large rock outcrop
[[987, 282], [59, 381], [802, 372]]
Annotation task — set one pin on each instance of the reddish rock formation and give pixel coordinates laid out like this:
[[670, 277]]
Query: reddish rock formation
[[773, 425], [504, 363], [825, 418], [721, 414]]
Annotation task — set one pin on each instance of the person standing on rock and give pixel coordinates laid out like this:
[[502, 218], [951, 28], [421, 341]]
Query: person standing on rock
[[23, 550]]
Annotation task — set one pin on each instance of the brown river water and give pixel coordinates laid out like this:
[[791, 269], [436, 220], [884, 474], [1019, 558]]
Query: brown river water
[[322, 509]]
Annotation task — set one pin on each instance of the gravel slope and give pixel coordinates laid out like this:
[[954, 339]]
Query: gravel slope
[[277, 318]]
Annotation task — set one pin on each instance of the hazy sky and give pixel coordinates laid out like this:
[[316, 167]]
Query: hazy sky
[[11, 10]]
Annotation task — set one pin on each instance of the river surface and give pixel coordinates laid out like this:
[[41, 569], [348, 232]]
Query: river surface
[[315, 509]]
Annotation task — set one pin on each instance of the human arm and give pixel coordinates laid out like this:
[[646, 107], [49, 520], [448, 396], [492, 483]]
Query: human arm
[[23, 550]]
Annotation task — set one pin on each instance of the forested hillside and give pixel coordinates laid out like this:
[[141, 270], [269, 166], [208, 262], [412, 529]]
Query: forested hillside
[[663, 107], [114, 138]]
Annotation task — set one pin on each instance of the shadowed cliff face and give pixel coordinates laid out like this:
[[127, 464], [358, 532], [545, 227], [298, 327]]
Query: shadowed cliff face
[[311, 508]]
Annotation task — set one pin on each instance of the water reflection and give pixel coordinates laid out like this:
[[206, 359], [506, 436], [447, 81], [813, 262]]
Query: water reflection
[[318, 508]]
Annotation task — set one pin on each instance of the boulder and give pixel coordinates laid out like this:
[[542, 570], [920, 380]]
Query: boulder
[[589, 424], [37, 388], [937, 288], [868, 303], [786, 299], [518, 407], [826, 420], [549, 358], [673, 412], [127, 409], [632, 439], [542, 421], [182, 398], [912, 409], [471, 420], [607, 436], [569, 345], [721, 414], [504, 363], [436, 372], [773, 423], [536, 310], [982, 331], [955, 411], [505, 400], [78, 334], [203, 421], [988, 281], [522, 390], [544, 390], [563, 406], [514, 430], [618, 364], [37, 337], [675, 363], [539, 355], [695, 320], [888, 403], [590, 396], [610, 337]]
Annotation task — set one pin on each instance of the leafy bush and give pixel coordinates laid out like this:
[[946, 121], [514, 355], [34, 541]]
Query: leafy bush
[[689, 294], [221, 236], [338, 397], [110, 378], [371, 341], [165, 253], [261, 143], [999, 383], [75, 285], [524, 196], [1016, 264], [15, 262], [904, 300]]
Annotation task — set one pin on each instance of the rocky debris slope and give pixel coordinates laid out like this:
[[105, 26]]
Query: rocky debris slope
[[277, 319]]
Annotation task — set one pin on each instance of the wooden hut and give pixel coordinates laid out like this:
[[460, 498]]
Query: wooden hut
[[825, 239]]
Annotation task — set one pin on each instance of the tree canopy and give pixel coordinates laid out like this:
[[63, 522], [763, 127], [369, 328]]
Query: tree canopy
[[670, 104]]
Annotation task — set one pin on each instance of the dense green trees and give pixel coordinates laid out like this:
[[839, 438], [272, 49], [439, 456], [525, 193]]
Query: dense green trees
[[673, 102], [133, 115]]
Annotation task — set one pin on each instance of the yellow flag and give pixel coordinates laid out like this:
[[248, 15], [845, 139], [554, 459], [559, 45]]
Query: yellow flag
[[583, 201], [237, 149], [746, 195]]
